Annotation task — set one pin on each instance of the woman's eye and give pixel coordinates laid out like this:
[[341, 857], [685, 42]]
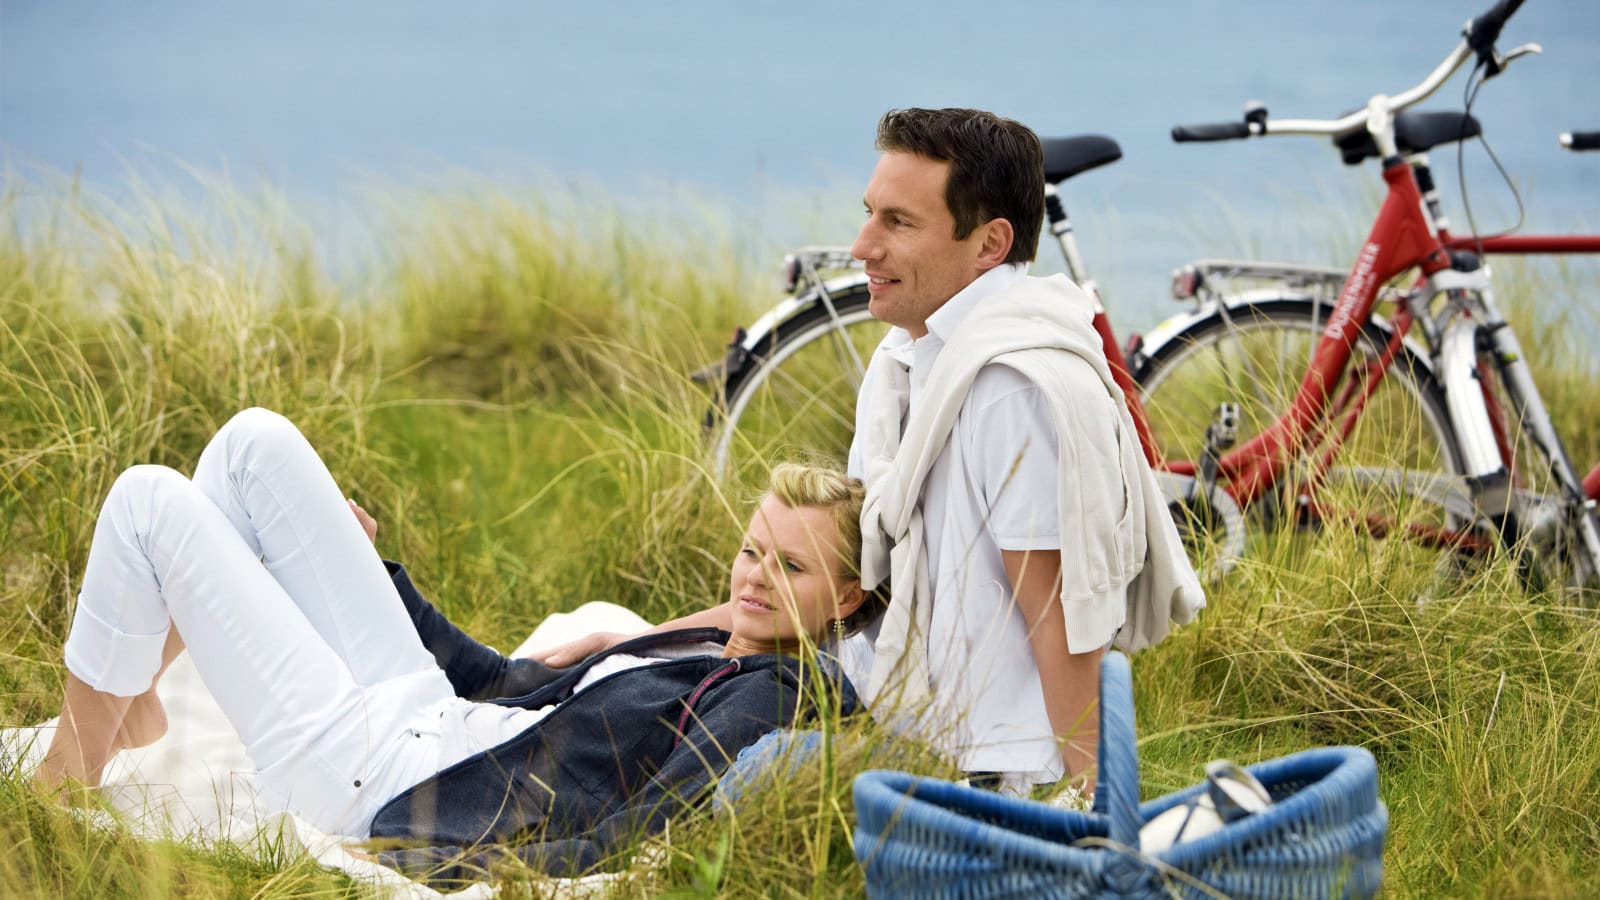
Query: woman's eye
[[791, 565], [747, 552]]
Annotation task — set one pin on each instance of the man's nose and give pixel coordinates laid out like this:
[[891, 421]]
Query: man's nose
[[866, 246]]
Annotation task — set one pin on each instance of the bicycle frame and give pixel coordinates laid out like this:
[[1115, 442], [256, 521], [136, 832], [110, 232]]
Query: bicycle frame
[[1327, 406], [1522, 244], [1400, 239]]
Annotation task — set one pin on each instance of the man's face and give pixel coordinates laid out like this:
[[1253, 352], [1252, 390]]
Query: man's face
[[913, 259]]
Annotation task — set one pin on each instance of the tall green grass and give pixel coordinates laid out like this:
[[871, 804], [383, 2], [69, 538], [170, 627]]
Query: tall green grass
[[506, 390]]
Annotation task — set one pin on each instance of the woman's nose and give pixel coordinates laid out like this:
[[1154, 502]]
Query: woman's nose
[[758, 573]]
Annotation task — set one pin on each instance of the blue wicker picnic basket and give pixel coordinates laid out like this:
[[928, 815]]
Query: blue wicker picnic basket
[[1322, 836]]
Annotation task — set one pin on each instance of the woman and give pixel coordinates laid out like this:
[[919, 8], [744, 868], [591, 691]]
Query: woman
[[355, 707]]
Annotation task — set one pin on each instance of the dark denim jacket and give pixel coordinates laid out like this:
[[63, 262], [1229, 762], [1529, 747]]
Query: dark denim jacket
[[607, 767]]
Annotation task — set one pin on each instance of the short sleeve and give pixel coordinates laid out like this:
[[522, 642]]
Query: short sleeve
[[1012, 455]]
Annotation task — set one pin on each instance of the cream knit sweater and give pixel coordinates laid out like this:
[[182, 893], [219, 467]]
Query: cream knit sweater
[[1129, 579]]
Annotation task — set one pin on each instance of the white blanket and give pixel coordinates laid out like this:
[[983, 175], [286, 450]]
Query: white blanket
[[196, 782]]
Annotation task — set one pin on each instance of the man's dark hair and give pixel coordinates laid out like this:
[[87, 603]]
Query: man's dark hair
[[996, 167]]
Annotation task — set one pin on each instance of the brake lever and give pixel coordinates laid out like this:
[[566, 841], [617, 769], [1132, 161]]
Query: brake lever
[[1498, 63]]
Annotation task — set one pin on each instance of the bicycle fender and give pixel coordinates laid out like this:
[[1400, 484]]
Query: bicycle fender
[[787, 309], [1175, 326]]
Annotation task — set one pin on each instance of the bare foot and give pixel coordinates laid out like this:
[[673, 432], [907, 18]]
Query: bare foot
[[85, 737]]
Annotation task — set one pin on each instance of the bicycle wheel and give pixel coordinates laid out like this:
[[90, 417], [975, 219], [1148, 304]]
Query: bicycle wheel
[[796, 396], [1397, 466]]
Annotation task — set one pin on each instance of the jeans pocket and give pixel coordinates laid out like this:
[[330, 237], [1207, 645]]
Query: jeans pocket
[[312, 788]]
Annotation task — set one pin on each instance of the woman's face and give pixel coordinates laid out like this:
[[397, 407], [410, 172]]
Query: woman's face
[[788, 577]]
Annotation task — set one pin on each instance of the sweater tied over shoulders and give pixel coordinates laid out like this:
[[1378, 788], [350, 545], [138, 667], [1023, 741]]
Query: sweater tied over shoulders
[[1123, 582]]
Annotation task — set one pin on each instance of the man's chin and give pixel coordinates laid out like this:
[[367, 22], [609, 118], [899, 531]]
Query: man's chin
[[882, 308]]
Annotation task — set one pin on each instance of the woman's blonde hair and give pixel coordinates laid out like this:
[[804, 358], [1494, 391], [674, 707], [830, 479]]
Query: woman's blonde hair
[[798, 485]]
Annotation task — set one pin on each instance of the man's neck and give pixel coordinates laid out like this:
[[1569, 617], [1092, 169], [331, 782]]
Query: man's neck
[[944, 320]]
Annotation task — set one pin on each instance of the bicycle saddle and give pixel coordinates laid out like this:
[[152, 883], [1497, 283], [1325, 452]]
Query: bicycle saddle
[[1065, 157], [1415, 132]]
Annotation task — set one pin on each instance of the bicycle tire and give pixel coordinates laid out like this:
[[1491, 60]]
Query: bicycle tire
[[795, 395], [1400, 464]]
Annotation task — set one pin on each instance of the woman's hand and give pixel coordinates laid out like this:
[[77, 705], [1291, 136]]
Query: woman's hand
[[574, 652], [368, 523]]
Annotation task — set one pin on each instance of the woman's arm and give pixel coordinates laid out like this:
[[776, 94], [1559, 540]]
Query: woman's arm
[[476, 671], [574, 652]]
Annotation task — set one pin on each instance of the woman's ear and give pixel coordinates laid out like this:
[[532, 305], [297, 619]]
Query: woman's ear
[[851, 596]]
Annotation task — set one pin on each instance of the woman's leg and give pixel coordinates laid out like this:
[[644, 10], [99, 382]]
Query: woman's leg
[[95, 725], [146, 720], [163, 552], [278, 495]]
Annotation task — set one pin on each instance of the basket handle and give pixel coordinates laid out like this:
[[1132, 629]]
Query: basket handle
[[1117, 785]]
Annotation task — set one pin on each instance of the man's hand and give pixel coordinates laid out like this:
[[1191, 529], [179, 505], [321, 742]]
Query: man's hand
[[368, 523], [574, 652]]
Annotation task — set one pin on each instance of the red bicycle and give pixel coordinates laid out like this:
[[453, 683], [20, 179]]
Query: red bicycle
[[1412, 390]]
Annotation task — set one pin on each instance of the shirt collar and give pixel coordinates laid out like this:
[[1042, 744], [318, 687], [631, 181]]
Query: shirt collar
[[944, 320]]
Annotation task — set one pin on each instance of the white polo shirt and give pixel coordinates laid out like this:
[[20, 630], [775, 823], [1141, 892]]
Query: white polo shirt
[[992, 488]]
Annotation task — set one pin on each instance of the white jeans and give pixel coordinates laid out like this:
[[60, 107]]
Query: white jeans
[[287, 611]]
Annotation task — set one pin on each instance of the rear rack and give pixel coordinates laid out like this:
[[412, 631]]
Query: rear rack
[[1201, 275], [800, 268]]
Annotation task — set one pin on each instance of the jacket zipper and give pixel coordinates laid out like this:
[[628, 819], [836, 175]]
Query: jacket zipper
[[705, 683]]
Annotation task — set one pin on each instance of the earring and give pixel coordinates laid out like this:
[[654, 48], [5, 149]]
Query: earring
[[838, 628]]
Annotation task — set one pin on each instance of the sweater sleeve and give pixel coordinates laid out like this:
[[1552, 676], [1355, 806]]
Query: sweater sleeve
[[476, 671]]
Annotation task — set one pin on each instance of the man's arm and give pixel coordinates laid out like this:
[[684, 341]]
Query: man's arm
[[573, 652], [1071, 682]]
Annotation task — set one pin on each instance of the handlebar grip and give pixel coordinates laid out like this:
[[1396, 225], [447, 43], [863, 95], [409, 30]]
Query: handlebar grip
[[1216, 131], [1581, 140], [1484, 30]]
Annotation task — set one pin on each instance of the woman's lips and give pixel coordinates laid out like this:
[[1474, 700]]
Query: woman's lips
[[755, 605]]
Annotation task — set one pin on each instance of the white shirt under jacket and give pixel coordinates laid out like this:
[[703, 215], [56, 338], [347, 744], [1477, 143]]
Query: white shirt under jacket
[[981, 497], [964, 458]]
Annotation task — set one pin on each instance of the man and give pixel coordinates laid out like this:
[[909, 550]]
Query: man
[[991, 438]]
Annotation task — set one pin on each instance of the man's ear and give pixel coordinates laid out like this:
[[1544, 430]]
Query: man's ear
[[998, 236]]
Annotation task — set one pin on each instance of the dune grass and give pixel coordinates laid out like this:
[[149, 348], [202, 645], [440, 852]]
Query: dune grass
[[507, 393]]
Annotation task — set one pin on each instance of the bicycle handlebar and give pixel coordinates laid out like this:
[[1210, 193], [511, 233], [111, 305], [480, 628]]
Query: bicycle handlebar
[[1478, 40], [1214, 131], [1483, 31], [1581, 140]]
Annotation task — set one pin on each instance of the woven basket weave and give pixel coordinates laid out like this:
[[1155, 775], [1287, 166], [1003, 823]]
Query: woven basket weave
[[1322, 836]]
